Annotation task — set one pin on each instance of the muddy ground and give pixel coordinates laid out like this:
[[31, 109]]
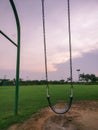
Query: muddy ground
[[83, 115]]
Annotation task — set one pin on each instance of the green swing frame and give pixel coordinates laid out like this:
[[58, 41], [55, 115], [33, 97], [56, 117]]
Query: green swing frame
[[18, 53]]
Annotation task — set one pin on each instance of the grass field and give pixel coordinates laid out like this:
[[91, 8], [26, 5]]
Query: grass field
[[33, 98]]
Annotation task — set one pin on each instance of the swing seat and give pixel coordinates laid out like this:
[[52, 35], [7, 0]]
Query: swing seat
[[60, 111]]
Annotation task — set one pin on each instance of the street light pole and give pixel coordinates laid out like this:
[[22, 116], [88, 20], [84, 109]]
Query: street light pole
[[78, 70]]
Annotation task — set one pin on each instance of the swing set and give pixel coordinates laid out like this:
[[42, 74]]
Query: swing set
[[17, 45], [46, 70]]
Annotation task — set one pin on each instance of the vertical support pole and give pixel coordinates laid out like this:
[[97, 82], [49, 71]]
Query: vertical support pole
[[18, 57]]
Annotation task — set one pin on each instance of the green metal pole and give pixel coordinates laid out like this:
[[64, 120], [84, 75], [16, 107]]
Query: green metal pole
[[18, 56], [8, 38]]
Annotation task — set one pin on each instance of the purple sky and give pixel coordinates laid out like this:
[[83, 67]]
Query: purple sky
[[84, 28]]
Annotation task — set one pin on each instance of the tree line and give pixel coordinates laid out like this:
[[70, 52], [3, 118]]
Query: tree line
[[88, 78], [8, 82], [83, 78]]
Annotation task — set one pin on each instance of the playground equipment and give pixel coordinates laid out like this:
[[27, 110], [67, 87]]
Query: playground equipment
[[46, 70], [18, 52], [45, 53]]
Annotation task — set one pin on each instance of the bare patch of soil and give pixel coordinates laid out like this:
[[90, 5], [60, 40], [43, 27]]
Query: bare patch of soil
[[83, 115]]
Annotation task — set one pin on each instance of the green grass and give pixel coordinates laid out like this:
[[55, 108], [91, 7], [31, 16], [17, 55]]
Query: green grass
[[33, 98]]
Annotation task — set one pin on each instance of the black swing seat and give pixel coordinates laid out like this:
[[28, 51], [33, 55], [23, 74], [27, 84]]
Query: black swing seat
[[60, 111]]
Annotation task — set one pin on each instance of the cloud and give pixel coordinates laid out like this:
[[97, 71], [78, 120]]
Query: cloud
[[83, 29], [63, 56], [87, 63]]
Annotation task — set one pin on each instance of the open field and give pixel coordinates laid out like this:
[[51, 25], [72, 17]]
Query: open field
[[33, 98]]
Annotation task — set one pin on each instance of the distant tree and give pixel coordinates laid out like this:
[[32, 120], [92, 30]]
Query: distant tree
[[96, 79], [82, 77], [93, 78], [88, 78], [62, 81]]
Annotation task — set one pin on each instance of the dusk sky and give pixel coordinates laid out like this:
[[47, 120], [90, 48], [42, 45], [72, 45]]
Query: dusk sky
[[84, 31]]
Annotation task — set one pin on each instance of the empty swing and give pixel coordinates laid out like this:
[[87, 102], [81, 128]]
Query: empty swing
[[67, 107]]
